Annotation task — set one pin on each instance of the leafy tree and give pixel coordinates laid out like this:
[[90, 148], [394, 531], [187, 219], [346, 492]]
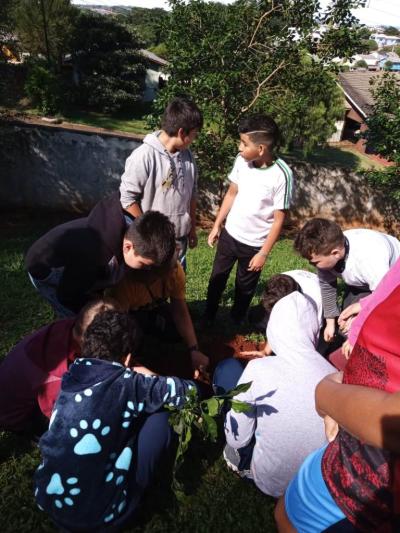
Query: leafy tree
[[392, 30], [369, 45], [252, 56], [109, 68], [43, 88], [6, 26], [392, 48], [147, 23], [383, 134], [45, 27], [361, 63], [388, 65]]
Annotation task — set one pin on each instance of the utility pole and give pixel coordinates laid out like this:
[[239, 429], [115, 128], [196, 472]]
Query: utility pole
[[46, 38]]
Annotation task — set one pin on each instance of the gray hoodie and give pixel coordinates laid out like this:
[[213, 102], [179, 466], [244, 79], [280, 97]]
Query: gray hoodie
[[284, 420], [159, 180]]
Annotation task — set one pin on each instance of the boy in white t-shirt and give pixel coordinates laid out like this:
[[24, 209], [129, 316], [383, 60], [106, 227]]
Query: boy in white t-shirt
[[254, 207]]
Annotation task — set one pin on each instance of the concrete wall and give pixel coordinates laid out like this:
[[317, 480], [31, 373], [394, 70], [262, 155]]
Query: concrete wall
[[53, 168]]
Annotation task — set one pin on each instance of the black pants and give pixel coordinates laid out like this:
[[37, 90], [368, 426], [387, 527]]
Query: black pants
[[229, 251]]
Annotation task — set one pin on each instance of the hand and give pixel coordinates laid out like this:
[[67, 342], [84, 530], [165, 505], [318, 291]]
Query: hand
[[347, 348], [253, 353], [213, 236], [199, 360], [329, 331], [331, 428], [350, 311], [192, 239], [256, 263], [345, 325]]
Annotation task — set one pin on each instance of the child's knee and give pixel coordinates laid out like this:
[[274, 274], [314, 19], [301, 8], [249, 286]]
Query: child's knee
[[281, 518]]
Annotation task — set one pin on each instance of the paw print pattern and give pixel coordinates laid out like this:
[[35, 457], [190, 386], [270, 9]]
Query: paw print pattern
[[83, 361], [65, 493], [89, 443], [86, 392], [123, 462], [116, 508], [131, 412]]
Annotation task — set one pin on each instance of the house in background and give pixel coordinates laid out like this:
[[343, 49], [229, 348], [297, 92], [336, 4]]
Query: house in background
[[155, 77], [359, 104], [394, 60], [385, 40]]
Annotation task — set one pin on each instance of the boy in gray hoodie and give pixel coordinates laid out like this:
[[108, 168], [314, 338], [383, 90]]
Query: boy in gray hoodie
[[161, 174]]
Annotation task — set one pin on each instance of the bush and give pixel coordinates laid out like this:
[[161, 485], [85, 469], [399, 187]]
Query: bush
[[361, 64], [43, 88]]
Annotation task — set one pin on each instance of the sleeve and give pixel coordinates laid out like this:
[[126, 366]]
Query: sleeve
[[177, 283], [233, 176], [195, 177], [328, 286], [240, 427], [283, 193], [153, 392], [133, 180]]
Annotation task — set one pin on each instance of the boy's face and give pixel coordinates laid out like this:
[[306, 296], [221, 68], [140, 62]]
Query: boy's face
[[186, 139], [133, 259], [326, 262], [248, 149]]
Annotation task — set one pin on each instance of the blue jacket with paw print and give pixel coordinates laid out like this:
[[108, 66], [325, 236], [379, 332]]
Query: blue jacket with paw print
[[85, 482]]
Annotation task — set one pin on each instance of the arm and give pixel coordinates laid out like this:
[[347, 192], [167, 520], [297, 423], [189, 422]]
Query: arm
[[151, 393], [133, 181], [134, 209], [352, 405], [223, 212], [184, 325], [328, 286], [192, 233], [257, 262]]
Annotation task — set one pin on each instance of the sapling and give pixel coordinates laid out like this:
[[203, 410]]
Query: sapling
[[201, 414]]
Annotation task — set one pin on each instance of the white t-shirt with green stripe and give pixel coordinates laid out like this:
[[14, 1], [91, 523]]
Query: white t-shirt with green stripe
[[261, 191]]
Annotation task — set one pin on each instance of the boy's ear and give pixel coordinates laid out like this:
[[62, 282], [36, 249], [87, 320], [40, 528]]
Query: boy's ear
[[337, 252], [127, 246], [181, 134]]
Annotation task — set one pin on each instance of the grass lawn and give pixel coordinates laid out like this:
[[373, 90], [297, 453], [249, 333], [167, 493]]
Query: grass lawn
[[217, 501]]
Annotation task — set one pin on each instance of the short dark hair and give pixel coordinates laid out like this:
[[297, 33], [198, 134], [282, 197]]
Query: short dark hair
[[262, 129], [181, 113], [318, 236], [153, 237], [111, 335], [276, 288]]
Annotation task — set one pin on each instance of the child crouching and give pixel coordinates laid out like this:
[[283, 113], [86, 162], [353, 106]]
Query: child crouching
[[105, 437]]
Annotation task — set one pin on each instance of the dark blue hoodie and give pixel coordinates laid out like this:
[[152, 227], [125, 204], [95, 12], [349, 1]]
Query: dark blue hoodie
[[85, 481]]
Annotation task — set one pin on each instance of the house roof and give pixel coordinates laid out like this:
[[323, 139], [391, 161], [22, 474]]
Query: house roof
[[357, 89], [154, 58]]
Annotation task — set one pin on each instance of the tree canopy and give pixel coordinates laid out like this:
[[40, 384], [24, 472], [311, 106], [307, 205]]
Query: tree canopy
[[109, 66], [383, 134], [252, 56]]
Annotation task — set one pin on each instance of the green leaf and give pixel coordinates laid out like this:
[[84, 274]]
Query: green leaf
[[210, 427], [212, 406], [240, 407]]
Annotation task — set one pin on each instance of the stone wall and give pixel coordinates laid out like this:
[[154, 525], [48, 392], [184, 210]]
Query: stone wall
[[60, 169]]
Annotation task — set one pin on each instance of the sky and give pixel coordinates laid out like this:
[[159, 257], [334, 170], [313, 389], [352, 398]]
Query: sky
[[378, 12]]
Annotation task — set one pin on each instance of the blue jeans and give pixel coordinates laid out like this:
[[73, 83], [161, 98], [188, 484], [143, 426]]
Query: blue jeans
[[47, 288]]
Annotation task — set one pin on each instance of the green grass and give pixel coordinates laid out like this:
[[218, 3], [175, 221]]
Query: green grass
[[340, 156], [217, 501], [126, 122]]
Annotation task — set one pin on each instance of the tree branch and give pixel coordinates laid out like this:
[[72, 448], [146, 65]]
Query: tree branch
[[261, 85], [263, 16]]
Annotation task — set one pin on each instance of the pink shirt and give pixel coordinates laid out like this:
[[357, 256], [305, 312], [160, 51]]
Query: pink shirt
[[388, 283]]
